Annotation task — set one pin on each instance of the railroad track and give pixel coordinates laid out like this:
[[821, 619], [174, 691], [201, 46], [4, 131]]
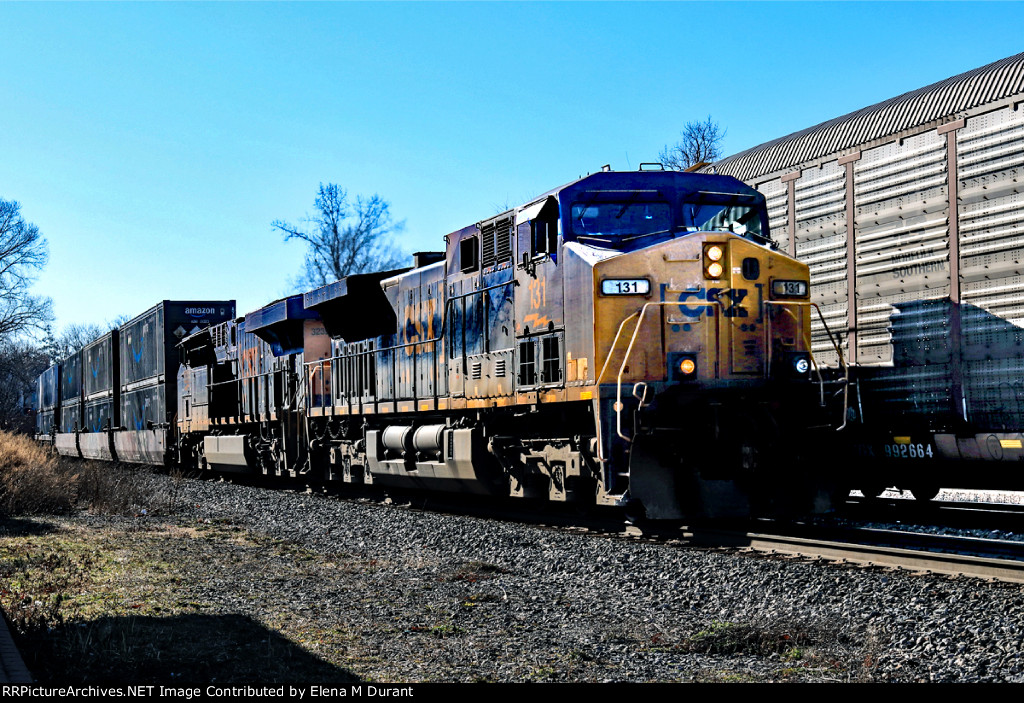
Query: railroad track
[[990, 559], [1006, 517], [956, 505], [999, 560]]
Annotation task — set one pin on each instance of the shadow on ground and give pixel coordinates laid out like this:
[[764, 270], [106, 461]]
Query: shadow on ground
[[178, 650], [25, 527]]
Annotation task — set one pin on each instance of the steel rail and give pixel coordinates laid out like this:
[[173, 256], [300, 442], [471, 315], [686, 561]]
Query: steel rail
[[935, 505], [903, 557], [985, 516]]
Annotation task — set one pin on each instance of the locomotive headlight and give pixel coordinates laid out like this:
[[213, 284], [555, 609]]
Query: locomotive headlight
[[682, 366], [796, 365], [714, 256]]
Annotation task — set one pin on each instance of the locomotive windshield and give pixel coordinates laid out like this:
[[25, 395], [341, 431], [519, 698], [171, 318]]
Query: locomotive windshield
[[626, 220], [611, 222], [712, 217]]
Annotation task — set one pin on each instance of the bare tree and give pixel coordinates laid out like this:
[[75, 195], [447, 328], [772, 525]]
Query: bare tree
[[699, 143], [21, 362], [23, 253], [74, 337], [119, 321], [344, 238]]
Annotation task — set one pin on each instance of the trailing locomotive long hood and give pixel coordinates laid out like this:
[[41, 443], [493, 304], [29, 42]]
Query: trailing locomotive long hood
[[659, 314]]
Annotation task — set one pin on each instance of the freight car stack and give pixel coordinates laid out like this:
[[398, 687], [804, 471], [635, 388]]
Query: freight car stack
[[66, 441], [101, 397], [122, 410], [48, 398], [910, 214]]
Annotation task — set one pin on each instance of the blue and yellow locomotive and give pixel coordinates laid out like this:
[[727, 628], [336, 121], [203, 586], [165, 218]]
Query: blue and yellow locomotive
[[631, 337]]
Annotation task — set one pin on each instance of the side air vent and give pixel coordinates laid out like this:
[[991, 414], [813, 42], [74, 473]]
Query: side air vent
[[496, 241], [499, 368], [476, 370]]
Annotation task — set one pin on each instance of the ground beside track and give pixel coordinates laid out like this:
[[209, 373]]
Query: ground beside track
[[226, 583]]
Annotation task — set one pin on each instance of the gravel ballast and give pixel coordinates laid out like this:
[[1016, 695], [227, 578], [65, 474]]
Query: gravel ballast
[[413, 596]]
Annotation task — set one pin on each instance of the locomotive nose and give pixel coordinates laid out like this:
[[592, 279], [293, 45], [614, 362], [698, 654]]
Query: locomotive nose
[[719, 325]]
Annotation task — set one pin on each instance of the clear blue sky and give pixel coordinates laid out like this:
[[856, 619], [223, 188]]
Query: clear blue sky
[[153, 144]]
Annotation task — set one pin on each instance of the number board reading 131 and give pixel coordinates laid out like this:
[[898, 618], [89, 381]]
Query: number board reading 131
[[625, 286]]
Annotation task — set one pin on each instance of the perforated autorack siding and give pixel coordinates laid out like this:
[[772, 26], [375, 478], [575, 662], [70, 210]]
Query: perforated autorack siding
[[990, 159], [937, 306], [820, 200]]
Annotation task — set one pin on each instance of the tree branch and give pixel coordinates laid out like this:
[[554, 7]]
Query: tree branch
[[342, 238]]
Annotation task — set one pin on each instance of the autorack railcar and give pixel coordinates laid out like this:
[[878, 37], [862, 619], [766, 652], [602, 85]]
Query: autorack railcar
[[910, 214]]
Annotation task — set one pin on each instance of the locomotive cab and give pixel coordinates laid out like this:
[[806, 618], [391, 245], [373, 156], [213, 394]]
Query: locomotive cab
[[700, 345]]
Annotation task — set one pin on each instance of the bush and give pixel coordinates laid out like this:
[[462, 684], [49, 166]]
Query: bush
[[119, 489], [32, 479], [35, 481]]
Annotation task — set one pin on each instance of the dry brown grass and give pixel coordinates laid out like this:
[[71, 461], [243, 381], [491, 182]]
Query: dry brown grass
[[35, 481], [32, 479], [129, 602], [133, 603]]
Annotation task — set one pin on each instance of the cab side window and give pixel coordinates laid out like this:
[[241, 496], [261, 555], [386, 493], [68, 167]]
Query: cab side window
[[545, 236], [469, 254]]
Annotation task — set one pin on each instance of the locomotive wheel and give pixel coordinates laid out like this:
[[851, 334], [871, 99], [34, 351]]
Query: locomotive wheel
[[924, 492], [873, 490], [634, 512], [201, 457]]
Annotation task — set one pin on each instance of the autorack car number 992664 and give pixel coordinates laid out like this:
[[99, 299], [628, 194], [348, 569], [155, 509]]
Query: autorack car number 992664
[[909, 451]]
